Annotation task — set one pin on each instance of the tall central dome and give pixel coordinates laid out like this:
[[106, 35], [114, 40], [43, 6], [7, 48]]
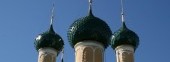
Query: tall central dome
[[89, 28]]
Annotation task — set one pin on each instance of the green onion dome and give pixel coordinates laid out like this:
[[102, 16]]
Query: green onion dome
[[49, 39], [124, 36], [89, 28]]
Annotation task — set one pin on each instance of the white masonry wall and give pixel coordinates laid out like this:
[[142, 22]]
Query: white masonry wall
[[125, 53], [47, 55], [89, 51]]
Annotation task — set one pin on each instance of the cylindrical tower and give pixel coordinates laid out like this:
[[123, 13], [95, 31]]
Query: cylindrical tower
[[48, 44], [89, 36], [125, 42]]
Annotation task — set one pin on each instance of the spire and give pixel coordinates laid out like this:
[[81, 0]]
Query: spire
[[90, 7], [52, 15]]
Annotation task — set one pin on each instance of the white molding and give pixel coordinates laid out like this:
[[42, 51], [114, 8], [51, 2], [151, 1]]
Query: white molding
[[88, 42], [47, 50], [125, 48]]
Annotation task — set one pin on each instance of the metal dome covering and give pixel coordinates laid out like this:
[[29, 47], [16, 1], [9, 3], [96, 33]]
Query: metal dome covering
[[89, 28], [49, 39], [124, 36]]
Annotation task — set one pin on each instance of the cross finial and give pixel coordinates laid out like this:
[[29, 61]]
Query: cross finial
[[122, 14], [90, 6], [90, 1], [122, 11], [52, 15]]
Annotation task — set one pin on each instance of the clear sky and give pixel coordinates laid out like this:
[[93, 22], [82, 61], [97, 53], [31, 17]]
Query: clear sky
[[22, 20]]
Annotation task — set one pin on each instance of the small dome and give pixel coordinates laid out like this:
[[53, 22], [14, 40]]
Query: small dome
[[89, 28], [124, 36], [49, 39]]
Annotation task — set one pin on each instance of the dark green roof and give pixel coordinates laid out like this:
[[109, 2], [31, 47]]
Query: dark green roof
[[49, 39], [124, 36], [89, 28]]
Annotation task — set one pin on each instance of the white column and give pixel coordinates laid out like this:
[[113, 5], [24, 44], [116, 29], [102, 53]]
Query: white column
[[125, 53], [89, 51], [47, 55]]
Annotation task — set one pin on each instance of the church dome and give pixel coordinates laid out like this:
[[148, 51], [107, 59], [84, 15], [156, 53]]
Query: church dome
[[89, 28], [124, 36], [49, 39]]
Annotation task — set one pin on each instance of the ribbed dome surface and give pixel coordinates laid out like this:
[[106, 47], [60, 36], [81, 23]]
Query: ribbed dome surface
[[89, 28], [49, 39], [124, 36]]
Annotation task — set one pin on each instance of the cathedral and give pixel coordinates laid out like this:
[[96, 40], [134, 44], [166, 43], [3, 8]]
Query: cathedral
[[89, 36]]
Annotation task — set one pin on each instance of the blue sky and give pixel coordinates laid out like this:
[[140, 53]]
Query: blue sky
[[22, 20]]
